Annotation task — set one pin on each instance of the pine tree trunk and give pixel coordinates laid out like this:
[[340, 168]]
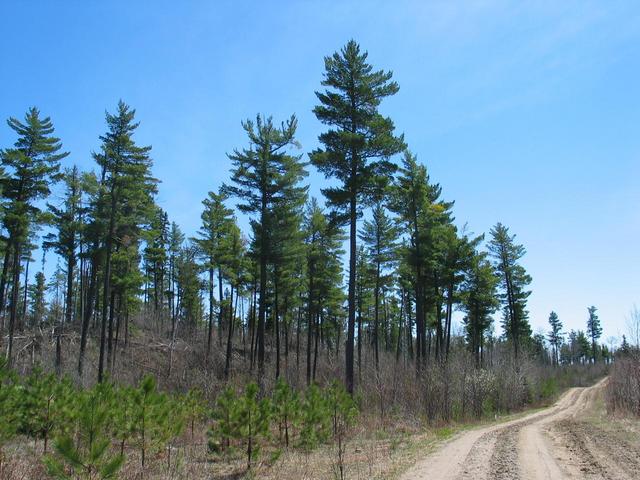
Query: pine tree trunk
[[14, 300], [400, 323], [376, 317], [253, 326], [71, 263], [220, 319], [106, 286], [112, 298], [23, 316], [227, 363], [298, 331], [310, 327], [3, 285], [352, 286], [276, 321], [210, 334], [448, 319], [262, 306], [88, 312], [315, 348]]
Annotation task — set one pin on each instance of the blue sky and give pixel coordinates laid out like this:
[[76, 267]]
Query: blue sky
[[526, 112]]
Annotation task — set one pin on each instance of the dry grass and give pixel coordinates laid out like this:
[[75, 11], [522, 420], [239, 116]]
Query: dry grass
[[623, 389], [373, 451]]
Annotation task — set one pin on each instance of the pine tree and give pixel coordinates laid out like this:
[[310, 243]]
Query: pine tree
[[152, 422], [479, 302], [323, 240], [582, 347], [286, 256], [594, 331], [264, 176], [225, 428], [31, 166], [155, 262], [286, 409], [188, 282], [45, 405], [253, 420], [514, 281], [459, 252], [315, 419], [355, 150], [176, 241], [624, 346], [364, 299], [555, 335], [127, 190], [91, 253], [235, 271], [426, 217], [379, 236], [37, 299], [216, 221], [66, 221], [84, 452], [195, 408]]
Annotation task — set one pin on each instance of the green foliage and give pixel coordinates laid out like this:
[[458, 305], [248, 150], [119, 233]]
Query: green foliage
[[479, 302], [266, 179], [123, 414], [46, 404], [315, 419], [9, 405], [194, 408], [342, 406], [253, 417], [286, 409], [189, 285], [154, 420], [555, 335], [89, 456], [356, 149], [308, 421], [224, 428], [514, 281], [30, 167], [244, 419], [594, 331]]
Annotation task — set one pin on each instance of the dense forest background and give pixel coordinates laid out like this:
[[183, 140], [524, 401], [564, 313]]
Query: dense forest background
[[408, 266]]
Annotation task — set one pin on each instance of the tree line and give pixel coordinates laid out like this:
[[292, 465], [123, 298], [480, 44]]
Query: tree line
[[579, 347], [279, 295]]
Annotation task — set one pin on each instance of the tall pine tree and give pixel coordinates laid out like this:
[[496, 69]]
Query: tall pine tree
[[127, 190], [555, 335], [31, 166], [355, 150], [217, 221], [514, 281], [265, 176], [594, 330]]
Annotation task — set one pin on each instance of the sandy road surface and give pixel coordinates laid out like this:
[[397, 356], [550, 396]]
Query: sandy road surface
[[550, 444]]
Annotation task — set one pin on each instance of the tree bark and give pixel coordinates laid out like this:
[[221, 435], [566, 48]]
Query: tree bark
[[352, 286], [14, 300]]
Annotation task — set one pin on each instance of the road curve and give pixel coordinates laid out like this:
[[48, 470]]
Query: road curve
[[550, 444]]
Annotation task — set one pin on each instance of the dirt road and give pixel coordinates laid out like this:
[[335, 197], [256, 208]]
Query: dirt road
[[550, 444]]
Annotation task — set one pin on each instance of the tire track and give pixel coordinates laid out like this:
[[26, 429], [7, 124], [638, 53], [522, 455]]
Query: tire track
[[522, 449]]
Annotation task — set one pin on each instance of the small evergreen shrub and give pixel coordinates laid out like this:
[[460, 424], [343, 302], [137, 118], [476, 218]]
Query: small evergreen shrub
[[86, 453]]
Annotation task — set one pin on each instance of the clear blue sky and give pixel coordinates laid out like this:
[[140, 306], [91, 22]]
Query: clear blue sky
[[525, 112]]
